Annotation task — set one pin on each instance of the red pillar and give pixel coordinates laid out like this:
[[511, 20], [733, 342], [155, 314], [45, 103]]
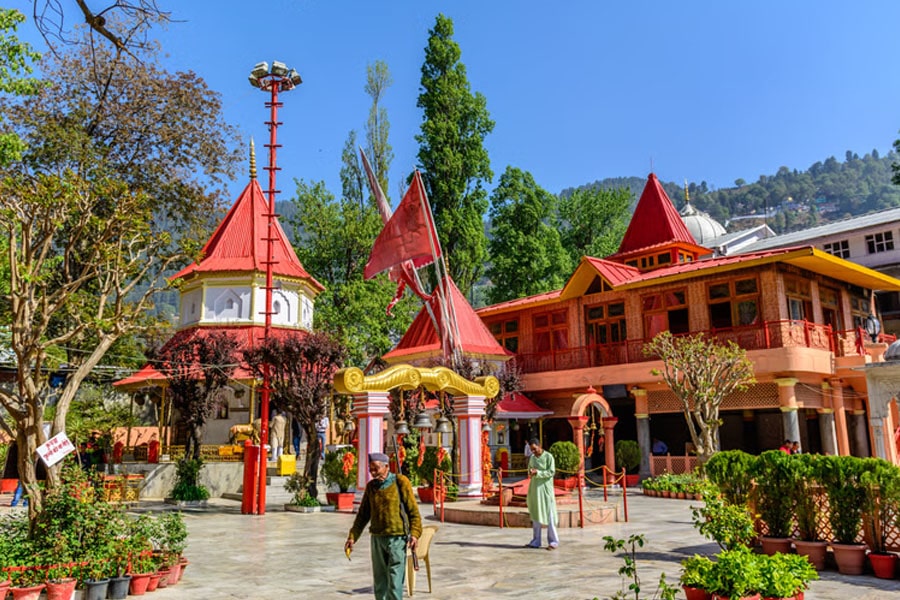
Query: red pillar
[[609, 442]]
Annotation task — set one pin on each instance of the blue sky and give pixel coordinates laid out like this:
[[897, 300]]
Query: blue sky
[[705, 91]]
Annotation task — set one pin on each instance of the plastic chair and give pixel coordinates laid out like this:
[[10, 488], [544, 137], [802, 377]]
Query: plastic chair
[[422, 552]]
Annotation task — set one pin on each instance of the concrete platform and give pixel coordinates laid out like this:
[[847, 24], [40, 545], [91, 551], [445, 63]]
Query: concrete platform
[[473, 512]]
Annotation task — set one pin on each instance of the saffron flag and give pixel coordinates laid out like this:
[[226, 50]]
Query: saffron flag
[[403, 274], [408, 235]]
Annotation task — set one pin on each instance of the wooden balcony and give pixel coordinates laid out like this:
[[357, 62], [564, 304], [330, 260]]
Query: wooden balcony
[[770, 334]]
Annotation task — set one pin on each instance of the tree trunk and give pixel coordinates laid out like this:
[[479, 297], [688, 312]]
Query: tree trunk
[[196, 436], [311, 469]]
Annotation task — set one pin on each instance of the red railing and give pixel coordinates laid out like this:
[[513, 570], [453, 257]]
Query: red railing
[[770, 334]]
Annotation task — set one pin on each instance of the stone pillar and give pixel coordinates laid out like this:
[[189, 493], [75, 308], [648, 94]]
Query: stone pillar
[[468, 411], [787, 402], [840, 417], [369, 408], [609, 442], [861, 435], [826, 431], [578, 424], [643, 431]]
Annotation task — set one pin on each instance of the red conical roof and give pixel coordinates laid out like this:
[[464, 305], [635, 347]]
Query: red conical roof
[[421, 339], [655, 221], [239, 243]]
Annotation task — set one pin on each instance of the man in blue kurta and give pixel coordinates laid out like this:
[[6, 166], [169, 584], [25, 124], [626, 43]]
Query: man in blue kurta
[[390, 505], [541, 499]]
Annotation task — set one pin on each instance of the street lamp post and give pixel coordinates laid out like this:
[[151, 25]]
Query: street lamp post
[[273, 80]]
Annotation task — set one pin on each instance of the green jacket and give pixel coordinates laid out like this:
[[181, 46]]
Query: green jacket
[[382, 508]]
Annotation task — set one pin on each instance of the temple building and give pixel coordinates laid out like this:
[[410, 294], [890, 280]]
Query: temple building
[[225, 292], [800, 312]]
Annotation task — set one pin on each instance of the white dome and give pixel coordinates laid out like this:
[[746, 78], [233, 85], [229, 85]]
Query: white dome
[[703, 227]]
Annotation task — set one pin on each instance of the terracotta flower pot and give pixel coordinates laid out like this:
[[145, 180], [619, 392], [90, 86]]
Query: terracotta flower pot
[[342, 501], [139, 584], [850, 558], [718, 597], [27, 593], [883, 564], [692, 593], [154, 582], [61, 589], [815, 552], [772, 545], [175, 575], [426, 494], [164, 574]]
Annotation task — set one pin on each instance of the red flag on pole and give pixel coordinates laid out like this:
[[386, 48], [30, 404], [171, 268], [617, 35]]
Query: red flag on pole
[[409, 235]]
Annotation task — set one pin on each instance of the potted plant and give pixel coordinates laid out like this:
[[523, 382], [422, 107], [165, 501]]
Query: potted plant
[[775, 474], [188, 490], [730, 470], [784, 576], [881, 483], [27, 583], [431, 460], [735, 575], [340, 471], [729, 525], [628, 457], [846, 497], [694, 580], [298, 485], [567, 459], [806, 509]]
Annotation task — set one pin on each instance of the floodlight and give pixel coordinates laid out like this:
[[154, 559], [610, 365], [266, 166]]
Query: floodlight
[[279, 69], [260, 70]]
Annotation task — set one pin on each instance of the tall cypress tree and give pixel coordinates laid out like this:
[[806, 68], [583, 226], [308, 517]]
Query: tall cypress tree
[[452, 157]]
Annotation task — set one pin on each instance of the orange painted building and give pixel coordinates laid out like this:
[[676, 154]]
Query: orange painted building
[[799, 313]]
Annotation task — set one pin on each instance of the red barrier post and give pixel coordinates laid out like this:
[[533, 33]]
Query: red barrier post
[[251, 460], [624, 495], [500, 484]]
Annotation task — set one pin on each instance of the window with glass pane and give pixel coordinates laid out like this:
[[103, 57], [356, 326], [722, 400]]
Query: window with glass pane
[[551, 331], [506, 333]]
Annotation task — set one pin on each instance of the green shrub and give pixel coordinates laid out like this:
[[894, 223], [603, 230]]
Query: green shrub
[[776, 476], [729, 525], [333, 469], [806, 509], [567, 459], [628, 455], [425, 471], [730, 470], [187, 481], [846, 495]]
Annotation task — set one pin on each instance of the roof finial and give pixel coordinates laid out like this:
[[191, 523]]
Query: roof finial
[[687, 195], [252, 160]]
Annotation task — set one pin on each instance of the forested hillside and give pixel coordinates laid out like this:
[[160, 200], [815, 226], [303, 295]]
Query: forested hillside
[[827, 191]]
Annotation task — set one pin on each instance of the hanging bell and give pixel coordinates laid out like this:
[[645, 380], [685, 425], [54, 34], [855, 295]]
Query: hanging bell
[[486, 426], [348, 426], [443, 425], [401, 428], [422, 421]]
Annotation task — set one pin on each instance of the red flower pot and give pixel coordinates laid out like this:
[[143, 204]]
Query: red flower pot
[[61, 589], [139, 583], [154, 582], [718, 597], [692, 593], [175, 574], [27, 593], [164, 574], [342, 501], [884, 564], [815, 552], [426, 494]]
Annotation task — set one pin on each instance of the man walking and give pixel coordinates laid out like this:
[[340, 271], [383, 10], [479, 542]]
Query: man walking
[[388, 502], [541, 499]]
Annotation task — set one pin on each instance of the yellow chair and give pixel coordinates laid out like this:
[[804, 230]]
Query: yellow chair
[[422, 552]]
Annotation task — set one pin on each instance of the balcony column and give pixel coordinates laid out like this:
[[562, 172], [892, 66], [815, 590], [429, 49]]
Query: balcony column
[[609, 447], [860, 428], [643, 431], [840, 417], [469, 410], [370, 409], [826, 422], [787, 402], [578, 424]]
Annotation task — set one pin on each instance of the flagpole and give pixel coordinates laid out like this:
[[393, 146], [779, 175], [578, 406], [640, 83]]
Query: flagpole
[[449, 320]]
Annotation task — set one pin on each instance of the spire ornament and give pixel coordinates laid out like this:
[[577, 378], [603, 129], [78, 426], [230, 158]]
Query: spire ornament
[[252, 159]]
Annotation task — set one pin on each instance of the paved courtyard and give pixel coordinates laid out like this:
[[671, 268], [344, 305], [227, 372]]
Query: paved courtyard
[[291, 555]]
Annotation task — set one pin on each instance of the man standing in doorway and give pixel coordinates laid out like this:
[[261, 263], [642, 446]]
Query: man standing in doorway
[[541, 499], [390, 505]]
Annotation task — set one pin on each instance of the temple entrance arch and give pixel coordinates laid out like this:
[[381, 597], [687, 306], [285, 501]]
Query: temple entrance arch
[[371, 403], [580, 416]]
